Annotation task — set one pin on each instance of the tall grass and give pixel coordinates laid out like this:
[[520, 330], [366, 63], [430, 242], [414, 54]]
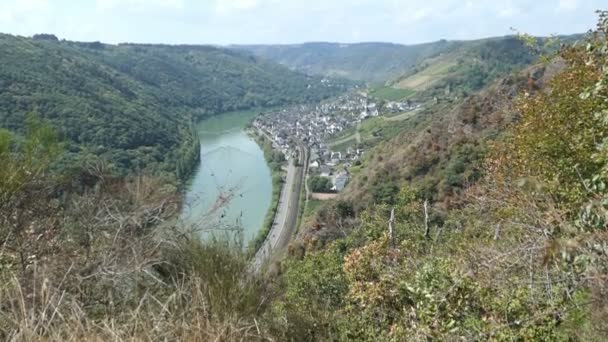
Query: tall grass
[[201, 292], [101, 267]]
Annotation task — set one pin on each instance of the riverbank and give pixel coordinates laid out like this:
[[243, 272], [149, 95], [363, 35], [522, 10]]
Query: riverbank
[[275, 159], [286, 217], [225, 199]]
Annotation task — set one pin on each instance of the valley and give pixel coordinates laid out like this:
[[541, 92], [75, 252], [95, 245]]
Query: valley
[[454, 190]]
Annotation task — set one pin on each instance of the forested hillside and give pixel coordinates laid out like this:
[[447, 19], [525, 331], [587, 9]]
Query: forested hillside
[[369, 62], [134, 105], [439, 147], [483, 216], [487, 222], [464, 64], [467, 68]]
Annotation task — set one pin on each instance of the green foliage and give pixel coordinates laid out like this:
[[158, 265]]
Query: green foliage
[[440, 149], [458, 171], [25, 160], [211, 80], [558, 133], [369, 62], [275, 160], [345, 209], [468, 68], [315, 287], [595, 213], [385, 193], [514, 261], [362, 288], [435, 300], [223, 269], [491, 59], [136, 105], [320, 184], [274, 157]]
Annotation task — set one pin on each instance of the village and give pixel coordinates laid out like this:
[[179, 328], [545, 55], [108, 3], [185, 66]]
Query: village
[[315, 125]]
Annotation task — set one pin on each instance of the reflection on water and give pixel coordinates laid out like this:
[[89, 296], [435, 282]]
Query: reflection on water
[[233, 184]]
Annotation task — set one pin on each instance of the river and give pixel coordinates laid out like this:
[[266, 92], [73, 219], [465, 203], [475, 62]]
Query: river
[[233, 185]]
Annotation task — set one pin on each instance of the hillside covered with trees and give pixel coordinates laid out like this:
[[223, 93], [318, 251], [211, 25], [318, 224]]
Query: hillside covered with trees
[[369, 62], [468, 68], [482, 218], [135, 105], [487, 222], [414, 67]]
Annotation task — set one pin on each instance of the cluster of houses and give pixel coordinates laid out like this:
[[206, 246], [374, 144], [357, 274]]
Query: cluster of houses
[[314, 125], [333, 165], [369, 110], [317, 123]]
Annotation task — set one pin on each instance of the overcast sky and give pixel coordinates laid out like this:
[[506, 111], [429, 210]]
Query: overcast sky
[[292, 21]]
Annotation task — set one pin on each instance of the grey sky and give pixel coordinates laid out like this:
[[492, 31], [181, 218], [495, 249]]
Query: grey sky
[[292, 21]]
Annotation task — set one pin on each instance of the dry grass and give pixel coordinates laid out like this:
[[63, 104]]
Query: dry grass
[[50, 314], [178, 290], [97, 268]]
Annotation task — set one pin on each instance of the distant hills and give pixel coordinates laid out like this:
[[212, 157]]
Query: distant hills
[[377, 63], [369, 62], [135, 104], [466, 68]]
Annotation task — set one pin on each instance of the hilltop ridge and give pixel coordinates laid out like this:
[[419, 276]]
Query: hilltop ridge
[[135, 105]]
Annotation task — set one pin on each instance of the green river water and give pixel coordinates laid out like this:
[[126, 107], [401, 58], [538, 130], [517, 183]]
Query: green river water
[[233, 185]]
